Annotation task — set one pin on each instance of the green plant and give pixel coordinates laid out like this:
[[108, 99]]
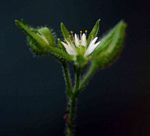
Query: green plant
[[81, 51]]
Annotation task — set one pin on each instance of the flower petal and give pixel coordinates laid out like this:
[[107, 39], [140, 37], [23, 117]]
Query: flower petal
[[70, 50], [76, 40], [83, 40], [92, 46]]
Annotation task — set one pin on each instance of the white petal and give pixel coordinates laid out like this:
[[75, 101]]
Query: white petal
[[71, 45], [83, 40], [76, 40], [70, 50], [91, 47], [93, 41]]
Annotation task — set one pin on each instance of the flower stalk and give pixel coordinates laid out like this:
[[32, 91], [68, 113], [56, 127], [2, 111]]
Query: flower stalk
[[72, 98]]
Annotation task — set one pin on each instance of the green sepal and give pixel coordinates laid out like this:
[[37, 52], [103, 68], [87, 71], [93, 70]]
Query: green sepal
[[60, 44], [65, 32], [81, 61], [47, 33], [34, 47], [94, 31], [110, 47], [42, 46]]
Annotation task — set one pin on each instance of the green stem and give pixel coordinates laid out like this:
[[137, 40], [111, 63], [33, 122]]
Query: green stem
[[87, 77], [77, 78], [73, 96], [67, 78], [72, 105], [70, 125]]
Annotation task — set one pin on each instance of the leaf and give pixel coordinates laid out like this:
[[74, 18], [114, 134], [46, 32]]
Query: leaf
[[65, 32], [33, 46], [94, 31], [42, 46], [60, 45], [110, 47], [32, 33], [105, 42], [47, 33]]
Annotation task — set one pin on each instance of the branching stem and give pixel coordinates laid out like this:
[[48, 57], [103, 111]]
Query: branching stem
[[72, 94]]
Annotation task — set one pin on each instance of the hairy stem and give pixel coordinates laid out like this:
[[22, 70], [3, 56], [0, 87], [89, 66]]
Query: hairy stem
[[70, 125], [72, 105], [91, 71], [67, 78], [79, 85], [77, 79]]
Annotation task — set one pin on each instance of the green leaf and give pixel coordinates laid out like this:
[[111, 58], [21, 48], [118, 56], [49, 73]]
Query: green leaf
[[110, 47], [34, 47], [105, 42], [42, 46], [60, 44], [65, 32], [32, 33], [94, 31], [47, 33]]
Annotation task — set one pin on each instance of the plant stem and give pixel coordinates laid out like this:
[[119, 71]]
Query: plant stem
[[72, 105], [77, 79], [70, 125], [71, 101], [67, 78], [91, 71], [72, 94]]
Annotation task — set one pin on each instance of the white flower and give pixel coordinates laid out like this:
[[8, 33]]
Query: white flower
[[80, 43]]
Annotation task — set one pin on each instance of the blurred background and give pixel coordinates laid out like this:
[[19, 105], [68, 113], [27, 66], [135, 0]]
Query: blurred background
[[32, 91]]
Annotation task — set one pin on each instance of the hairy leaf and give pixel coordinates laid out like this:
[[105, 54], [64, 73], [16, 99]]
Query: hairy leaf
[[110, 46], [40, 42], [47, 33]]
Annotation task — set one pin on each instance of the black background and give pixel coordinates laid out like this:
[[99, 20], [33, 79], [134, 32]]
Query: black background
[[32, 96]]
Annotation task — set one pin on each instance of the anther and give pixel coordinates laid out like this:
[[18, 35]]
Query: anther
[[71, 33], [80, 34]]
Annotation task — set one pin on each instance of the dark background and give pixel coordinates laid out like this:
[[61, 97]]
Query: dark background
[[32, 96]]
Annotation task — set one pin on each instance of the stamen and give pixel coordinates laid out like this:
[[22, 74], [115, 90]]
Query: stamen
[[86, 32], [71, 32], [81, 34]]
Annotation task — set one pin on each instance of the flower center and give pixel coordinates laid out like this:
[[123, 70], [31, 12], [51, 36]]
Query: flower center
[[80, 50]]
